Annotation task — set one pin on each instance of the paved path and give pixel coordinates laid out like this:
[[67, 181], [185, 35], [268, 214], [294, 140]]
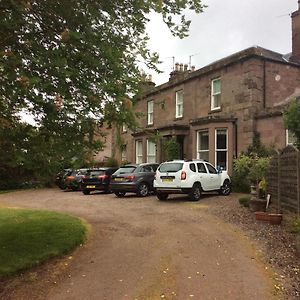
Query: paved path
[[142, 248]]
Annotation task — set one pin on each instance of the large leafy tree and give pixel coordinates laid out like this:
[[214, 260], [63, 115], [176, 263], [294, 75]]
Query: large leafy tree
[[69, 64], [291, 119]]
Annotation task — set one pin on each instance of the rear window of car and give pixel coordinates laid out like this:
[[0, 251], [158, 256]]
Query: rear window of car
[[170, 167], [125, 170], [96, 173]]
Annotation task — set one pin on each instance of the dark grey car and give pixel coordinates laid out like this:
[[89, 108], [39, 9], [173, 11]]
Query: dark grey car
[[133, 178]]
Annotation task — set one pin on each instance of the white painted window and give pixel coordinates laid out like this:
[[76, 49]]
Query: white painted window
[[124, 127], [216, 94], [150, 112], [124, 154], [139, 152], [290, 138], [179, 104], [221, 144], [151, 152], [203, 145]]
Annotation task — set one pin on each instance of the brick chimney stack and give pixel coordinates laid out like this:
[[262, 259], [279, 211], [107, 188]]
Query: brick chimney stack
[[296, 35]]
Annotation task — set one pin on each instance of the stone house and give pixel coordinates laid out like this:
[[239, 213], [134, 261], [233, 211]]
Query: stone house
[[214, 112]]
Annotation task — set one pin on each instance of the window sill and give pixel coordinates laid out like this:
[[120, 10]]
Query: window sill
[[214, 110], [178, 118]]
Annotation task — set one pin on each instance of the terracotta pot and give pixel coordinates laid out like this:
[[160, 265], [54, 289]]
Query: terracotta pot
[[262, 216], [275, 219]]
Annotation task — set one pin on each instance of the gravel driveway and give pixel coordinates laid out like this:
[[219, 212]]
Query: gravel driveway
[[142, 248]]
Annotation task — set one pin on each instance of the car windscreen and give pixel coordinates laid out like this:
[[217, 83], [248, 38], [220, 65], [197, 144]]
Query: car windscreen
[[170, 167], [125, 170]]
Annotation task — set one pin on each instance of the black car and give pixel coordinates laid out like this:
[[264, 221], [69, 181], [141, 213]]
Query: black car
[[61, 178], [74, 180], [134, 179], [97, 179]]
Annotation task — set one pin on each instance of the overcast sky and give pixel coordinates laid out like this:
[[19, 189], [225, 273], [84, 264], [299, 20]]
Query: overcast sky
[[225, 27]]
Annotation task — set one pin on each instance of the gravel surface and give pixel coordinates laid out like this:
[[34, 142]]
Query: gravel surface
[[162, 243], [275, 243]]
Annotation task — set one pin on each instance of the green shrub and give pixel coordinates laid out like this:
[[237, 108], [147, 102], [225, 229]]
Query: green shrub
[[244, 200], [291, 117], [248, 170], [294, 226], [172, 149], [241, 169], [111, 162]]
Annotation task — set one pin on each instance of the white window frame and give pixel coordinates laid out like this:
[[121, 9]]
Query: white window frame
[[288, 136], [124, 127], [124, 154], [138, 156], [179, 103], [151, 157], [221, 150], [213, 94], [198, 150], [150, 112]]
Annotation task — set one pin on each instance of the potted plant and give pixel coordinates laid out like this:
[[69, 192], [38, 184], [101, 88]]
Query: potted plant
[[256, 177]]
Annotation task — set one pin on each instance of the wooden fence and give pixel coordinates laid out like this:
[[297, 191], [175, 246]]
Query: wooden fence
[[283, 179]]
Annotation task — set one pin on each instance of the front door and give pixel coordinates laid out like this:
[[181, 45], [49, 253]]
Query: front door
[[180, 141]]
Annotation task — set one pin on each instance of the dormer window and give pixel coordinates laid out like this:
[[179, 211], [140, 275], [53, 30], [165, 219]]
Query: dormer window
[[150, 112], [216, 94], [179, 104]]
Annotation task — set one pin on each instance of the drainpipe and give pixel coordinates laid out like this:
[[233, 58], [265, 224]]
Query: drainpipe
[[234, 123], [264, 83]]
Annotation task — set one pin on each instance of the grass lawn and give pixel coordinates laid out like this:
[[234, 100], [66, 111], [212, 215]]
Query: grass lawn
[[6, 191], [29, 237]]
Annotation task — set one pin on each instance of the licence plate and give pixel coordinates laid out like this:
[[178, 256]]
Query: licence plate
[[90, 186], [167, 180], [119, 179]]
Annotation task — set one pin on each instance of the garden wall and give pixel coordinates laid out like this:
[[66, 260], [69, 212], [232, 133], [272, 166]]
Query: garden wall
[[283, 179]]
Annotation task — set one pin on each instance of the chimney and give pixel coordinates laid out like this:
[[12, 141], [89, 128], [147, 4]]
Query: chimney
[[296, 35]]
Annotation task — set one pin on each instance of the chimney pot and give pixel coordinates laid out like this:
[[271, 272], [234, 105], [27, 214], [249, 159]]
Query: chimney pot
[[192, 68], [181, 67], [185, 67], [177, 67]]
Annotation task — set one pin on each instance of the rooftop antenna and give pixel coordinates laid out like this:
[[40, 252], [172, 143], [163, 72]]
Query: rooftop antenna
[[190, 59], [173, 60]]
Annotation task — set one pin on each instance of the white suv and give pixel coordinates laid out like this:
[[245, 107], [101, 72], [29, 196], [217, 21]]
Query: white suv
[[189, 177]]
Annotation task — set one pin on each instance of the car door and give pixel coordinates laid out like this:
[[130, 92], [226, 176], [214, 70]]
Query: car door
[[204, 176], [214, 178]]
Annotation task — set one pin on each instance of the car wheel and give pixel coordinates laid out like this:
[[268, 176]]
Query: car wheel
[[225, 188], [62, 186], [162, 196], [120, 194], [196, 192], [143, 189], [86, 192]]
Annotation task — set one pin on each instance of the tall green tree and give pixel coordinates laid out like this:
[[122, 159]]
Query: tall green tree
[[291, 117], [70, 64]]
